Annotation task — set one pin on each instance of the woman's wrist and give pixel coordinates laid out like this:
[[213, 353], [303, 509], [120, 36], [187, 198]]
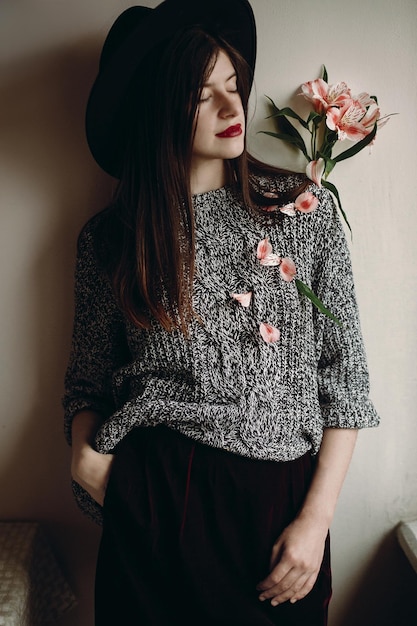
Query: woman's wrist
[[331, 468], [321, 516], [84, 427]]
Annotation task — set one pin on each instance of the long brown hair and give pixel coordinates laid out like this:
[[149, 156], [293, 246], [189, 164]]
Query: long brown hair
[[147, 235]]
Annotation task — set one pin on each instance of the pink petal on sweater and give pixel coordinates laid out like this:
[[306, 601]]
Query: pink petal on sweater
[[288, 209], [269, 333], [264, 248], [287, 269], [243, 298], [306, 202], [271, 260]]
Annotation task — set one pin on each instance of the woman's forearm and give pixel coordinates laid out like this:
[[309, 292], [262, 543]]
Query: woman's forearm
[[298, 553], [332, 464], [84, 427]]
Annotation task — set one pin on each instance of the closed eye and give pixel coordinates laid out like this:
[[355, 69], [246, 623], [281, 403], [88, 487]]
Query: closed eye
[[205, 98]]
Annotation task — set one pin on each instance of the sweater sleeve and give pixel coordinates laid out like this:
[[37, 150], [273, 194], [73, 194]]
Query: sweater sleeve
[[343, 381], [98, 346]]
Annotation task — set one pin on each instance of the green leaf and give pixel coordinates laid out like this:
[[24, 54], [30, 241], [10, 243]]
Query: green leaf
[[325, 151], [330, 163], [296, 141], [315, 117], [287, 112], [334, 191], [272, 103], [286, 128], [357, 147], [309, 293], [328, 142], [324, 74]]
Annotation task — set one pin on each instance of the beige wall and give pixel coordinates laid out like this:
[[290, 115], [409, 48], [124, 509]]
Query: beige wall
[[49, 186]]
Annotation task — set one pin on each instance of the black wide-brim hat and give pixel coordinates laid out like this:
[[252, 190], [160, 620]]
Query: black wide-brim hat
[[135, 33]]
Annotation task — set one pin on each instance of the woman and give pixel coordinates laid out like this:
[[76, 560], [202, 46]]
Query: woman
[[209, 407]]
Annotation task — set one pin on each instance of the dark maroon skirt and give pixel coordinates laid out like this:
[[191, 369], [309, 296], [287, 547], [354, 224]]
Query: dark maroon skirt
[[187, 535]]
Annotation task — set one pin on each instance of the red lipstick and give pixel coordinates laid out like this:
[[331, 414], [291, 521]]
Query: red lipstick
[[232, 131]]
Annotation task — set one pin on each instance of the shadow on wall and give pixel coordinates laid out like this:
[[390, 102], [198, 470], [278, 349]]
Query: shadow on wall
[[43, 152], [386, 594]]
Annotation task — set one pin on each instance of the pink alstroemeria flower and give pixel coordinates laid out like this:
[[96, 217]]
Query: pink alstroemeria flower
[[315, 170], [243, 298], [269, 333], [365, 99], [288, 209], [265, 254], [323, 96], [287, 269], [371, 116], [347, 121], [306, 202]]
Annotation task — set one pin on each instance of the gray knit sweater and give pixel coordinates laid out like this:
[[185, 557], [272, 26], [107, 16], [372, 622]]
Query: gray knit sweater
[[225, 385]]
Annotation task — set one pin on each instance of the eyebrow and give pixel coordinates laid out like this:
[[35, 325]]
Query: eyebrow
[[234, 75]]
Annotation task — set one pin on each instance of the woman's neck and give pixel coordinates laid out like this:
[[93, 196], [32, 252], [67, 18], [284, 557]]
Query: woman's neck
[[207, 176]]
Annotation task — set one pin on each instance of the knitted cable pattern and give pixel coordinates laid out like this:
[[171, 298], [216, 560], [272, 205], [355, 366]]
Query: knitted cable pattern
[[225, 385]]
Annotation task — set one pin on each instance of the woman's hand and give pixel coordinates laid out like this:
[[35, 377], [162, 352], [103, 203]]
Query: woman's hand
[[295, 561], [298, 552], [91, 470]]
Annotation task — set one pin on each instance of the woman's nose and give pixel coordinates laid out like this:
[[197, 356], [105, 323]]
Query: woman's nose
[[231, 105]]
